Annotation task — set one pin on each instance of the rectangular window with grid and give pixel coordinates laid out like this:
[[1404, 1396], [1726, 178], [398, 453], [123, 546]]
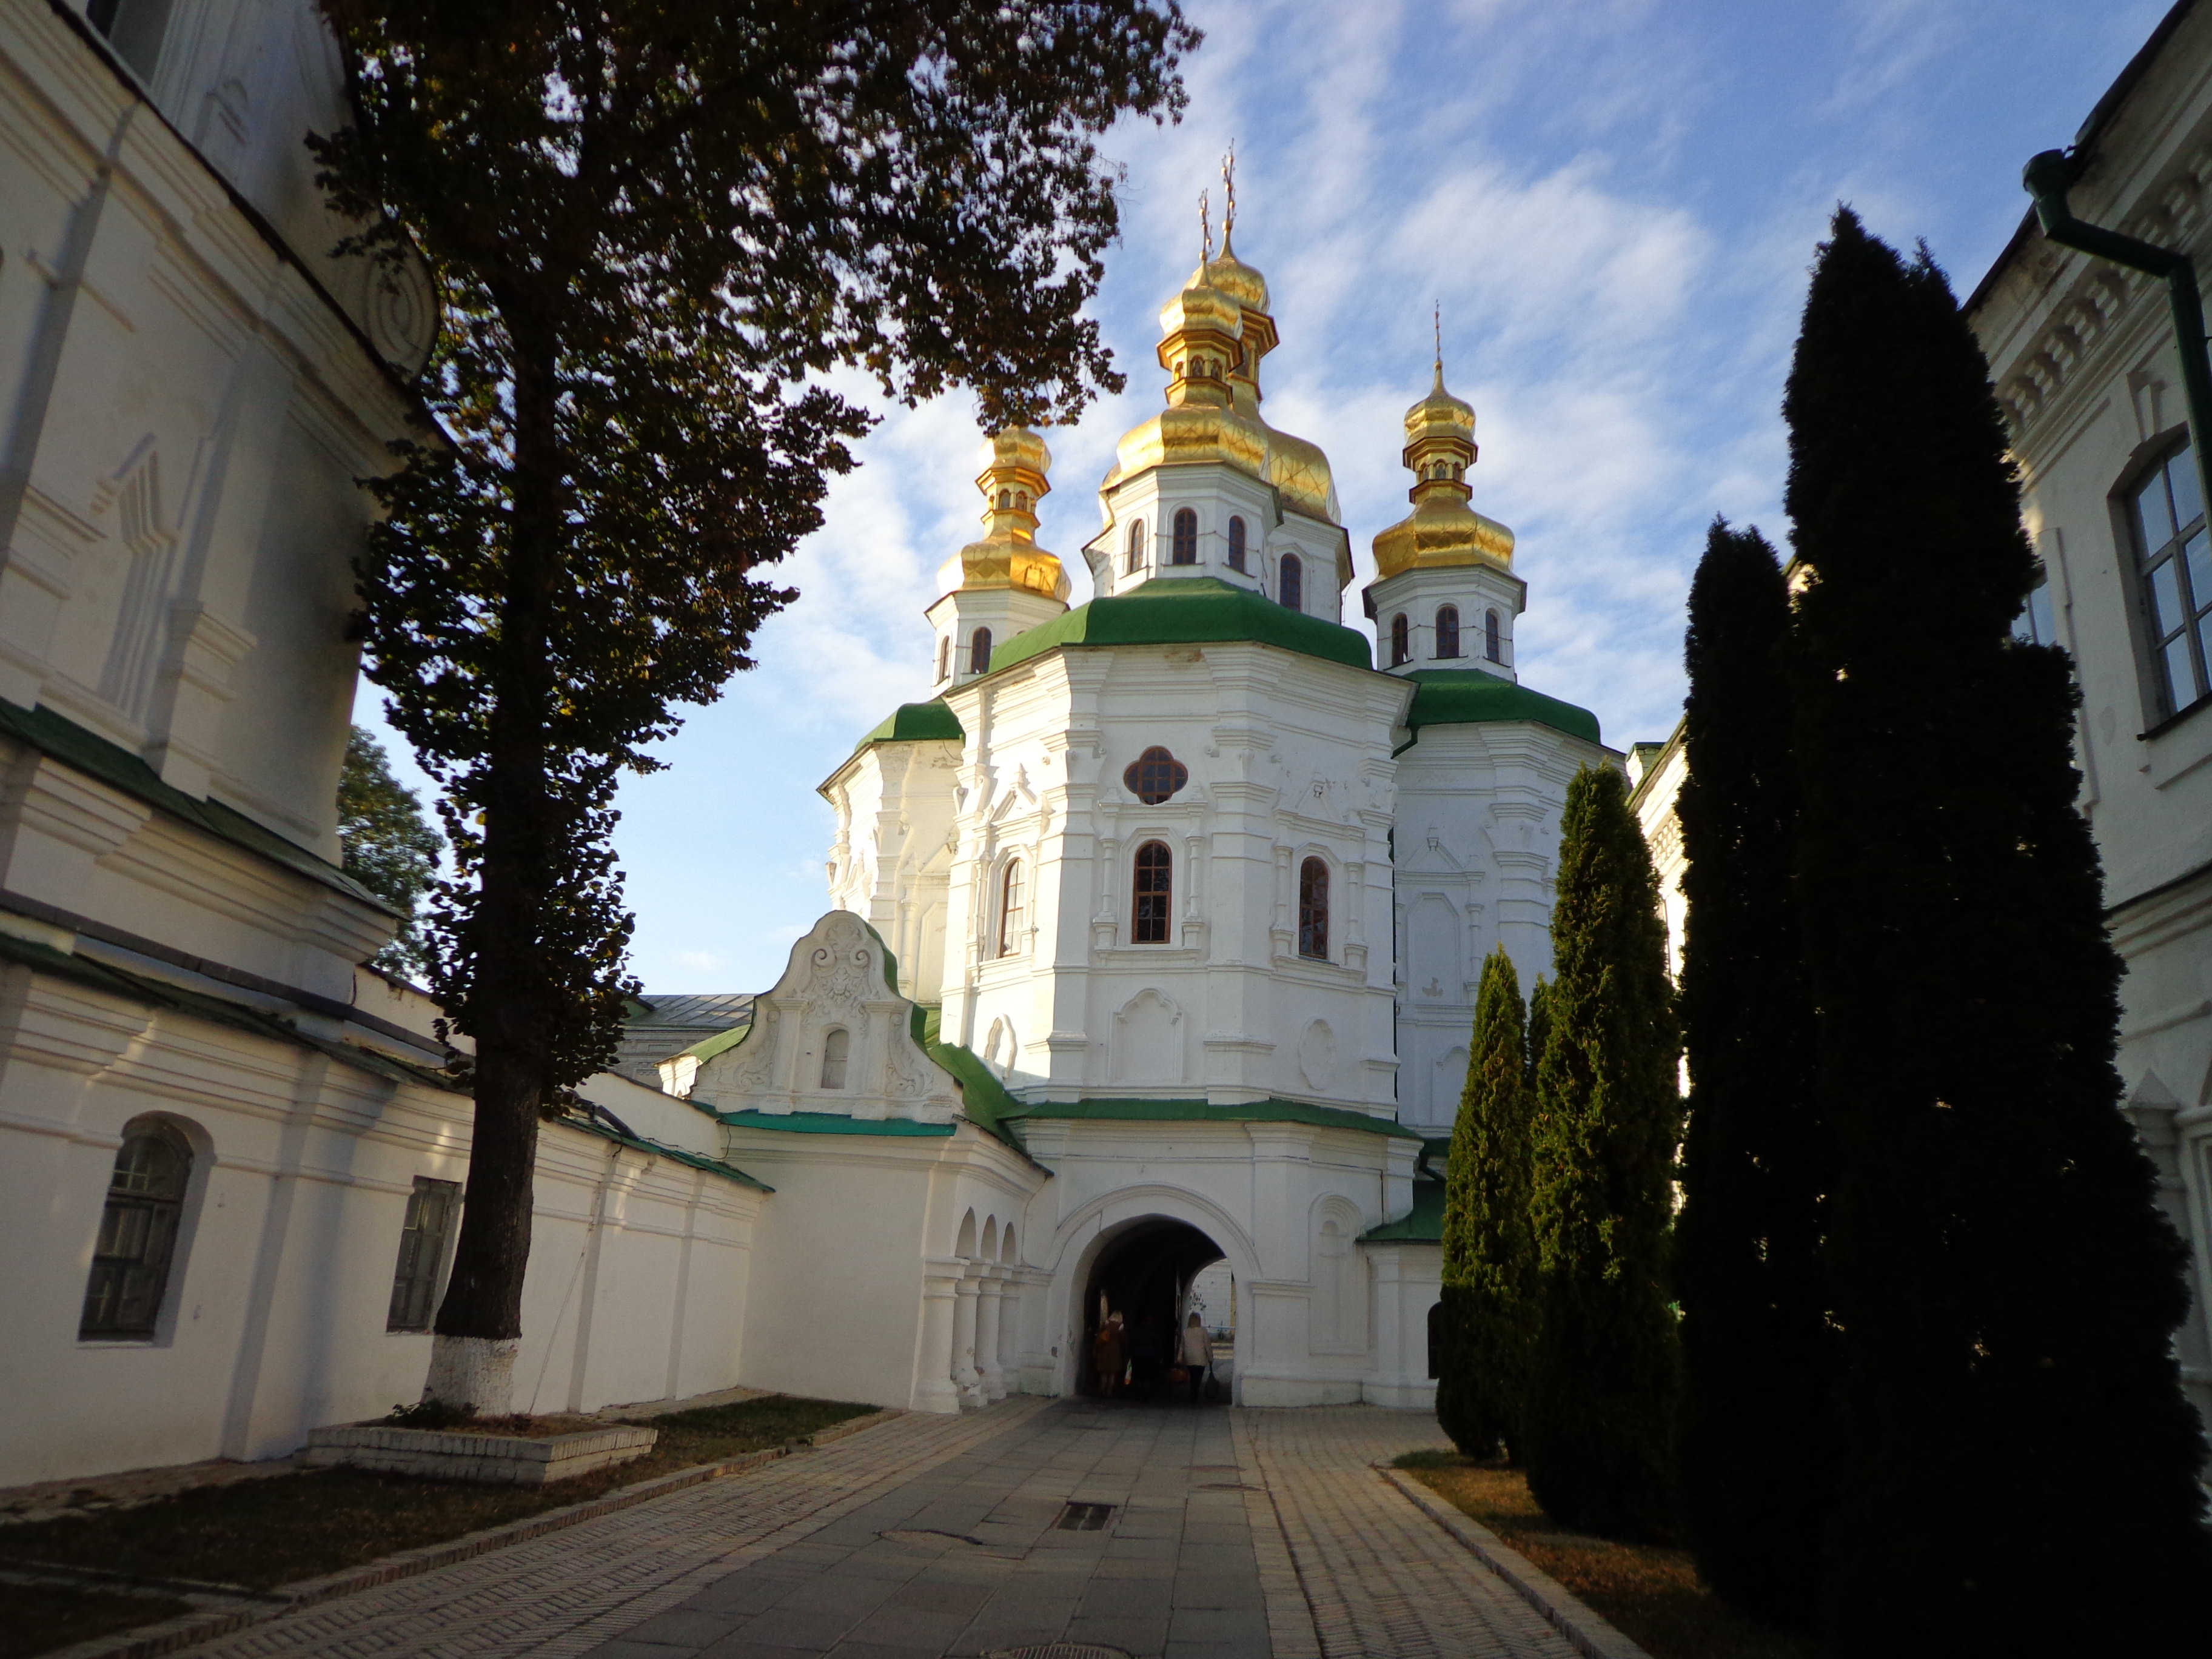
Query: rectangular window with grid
[[2174, 559], [431, 1208]]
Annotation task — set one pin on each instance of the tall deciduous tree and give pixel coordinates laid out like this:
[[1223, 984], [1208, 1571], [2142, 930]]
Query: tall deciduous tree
[[2020, 1467], [1489, 1261], [651, 223], [1602, 1396], [389, 848], [1756, 1474]]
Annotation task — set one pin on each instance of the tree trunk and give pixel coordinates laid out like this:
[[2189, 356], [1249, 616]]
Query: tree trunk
[[513, 1003]]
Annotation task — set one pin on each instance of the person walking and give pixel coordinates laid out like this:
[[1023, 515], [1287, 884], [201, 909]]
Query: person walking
[[1195, 1352], [1108, 1356]]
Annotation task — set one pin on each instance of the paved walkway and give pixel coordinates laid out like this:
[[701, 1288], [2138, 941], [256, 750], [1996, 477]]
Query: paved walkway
[[1240, 1534]]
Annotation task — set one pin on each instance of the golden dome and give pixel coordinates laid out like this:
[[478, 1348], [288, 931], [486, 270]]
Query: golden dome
[[1443, 530], [1213, 333], [1233, 277], [1012, 482]]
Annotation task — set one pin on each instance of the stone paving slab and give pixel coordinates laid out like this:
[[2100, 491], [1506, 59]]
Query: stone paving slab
[[566, 1593], [1382, 1580], [1232, 1535]]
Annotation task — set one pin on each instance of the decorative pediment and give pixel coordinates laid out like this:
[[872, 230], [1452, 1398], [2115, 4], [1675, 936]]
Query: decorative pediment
[[833, 1036]]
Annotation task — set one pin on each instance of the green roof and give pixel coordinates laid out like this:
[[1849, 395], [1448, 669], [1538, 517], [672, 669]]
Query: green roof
[[1468, 696], [117, 767], [592, 1126], [1189, 610], [917, 722], [830, 1123], [1199, 1111], [1423, 1224]]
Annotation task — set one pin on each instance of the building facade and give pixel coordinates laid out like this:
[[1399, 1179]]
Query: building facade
[[230, 1164], [1186, 894]]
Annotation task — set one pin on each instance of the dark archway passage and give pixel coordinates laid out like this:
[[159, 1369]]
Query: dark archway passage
[[1143, 1273]]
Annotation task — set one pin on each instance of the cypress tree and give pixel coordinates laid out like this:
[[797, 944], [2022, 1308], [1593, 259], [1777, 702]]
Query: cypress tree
[[1540, 1031], [1755, 1458], [2019, 1467], [1601, 1393], [1489, 1264]]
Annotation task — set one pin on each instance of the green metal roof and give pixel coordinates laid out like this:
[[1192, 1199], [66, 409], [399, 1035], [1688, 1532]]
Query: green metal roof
[[1468, 696], [831, 1123], [1423, 1224], [917, 722], [1199, 1111], [117, 767], [592, 1126], [1189, 610]]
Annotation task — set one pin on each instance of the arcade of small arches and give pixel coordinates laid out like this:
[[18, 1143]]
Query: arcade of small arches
[[1447, 636], [1183, 550]]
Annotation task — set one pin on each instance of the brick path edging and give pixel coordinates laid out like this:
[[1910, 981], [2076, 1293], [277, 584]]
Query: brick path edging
[[149, 1641], [1590, 1634]]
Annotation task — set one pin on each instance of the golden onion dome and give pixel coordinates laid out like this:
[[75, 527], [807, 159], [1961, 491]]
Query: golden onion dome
[[1301, 472], [1199, 333], [1443, 530], [1232, 277], [1013, 481]]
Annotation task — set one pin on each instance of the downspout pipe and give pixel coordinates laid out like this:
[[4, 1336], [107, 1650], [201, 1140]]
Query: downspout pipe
[[2047, 178]]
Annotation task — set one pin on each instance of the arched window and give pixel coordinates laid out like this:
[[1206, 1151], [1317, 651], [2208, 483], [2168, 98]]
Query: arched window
[[1010, 909], [1154, 892], [943, 655], [1400, 644], [1313, 910], [1293, 589], [979, 652], [1185, 550], [836, 1046], [137, 1241], [1236, 543], [1489, 636], [1447, 630], [1136, 548], [1006, 500]]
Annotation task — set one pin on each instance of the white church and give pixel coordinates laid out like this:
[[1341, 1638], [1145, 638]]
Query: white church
[[1154, 922], [1155, 929]]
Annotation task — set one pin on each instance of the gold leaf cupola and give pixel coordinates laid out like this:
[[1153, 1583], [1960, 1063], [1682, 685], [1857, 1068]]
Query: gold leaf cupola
[[1442, 531], [1004, 584], [1012, 482]]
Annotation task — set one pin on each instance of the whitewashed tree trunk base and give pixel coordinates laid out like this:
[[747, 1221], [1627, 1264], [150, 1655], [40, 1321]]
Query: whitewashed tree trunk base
[[472, 1370]]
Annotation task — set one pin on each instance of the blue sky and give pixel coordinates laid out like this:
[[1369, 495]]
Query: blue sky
[[1614, 202]]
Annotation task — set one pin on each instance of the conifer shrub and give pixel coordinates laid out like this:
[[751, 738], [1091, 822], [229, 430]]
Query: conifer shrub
[[1598, 1416], [2019, 1467], [1755, 1456], [1489, 1264]]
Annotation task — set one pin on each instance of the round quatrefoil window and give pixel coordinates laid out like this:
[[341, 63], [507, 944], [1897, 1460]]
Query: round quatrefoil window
[[1155, 774]]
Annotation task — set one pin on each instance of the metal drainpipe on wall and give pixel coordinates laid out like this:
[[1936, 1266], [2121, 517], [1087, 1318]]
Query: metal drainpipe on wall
[[2047, 178]]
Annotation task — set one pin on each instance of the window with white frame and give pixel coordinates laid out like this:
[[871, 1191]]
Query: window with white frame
[[1010, 909], [2173, 555]]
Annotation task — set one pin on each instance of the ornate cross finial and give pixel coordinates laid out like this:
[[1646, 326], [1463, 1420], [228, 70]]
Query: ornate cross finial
[[1229, 194], [1205, 229], [1440, 342]]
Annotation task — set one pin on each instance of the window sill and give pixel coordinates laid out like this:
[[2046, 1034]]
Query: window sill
[[2176, 717]]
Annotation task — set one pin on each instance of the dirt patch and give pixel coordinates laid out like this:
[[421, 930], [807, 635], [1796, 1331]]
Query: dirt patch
[[1649, 1591]]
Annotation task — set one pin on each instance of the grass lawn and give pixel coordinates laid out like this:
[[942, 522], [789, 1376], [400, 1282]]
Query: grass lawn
[[1649, 1591], [262, 1533]]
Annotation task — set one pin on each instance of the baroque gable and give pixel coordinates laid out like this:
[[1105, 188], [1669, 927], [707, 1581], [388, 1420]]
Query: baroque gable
[[834, 1037]]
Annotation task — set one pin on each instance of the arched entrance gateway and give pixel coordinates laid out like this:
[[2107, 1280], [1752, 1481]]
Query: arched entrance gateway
[[1145, 1272]]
